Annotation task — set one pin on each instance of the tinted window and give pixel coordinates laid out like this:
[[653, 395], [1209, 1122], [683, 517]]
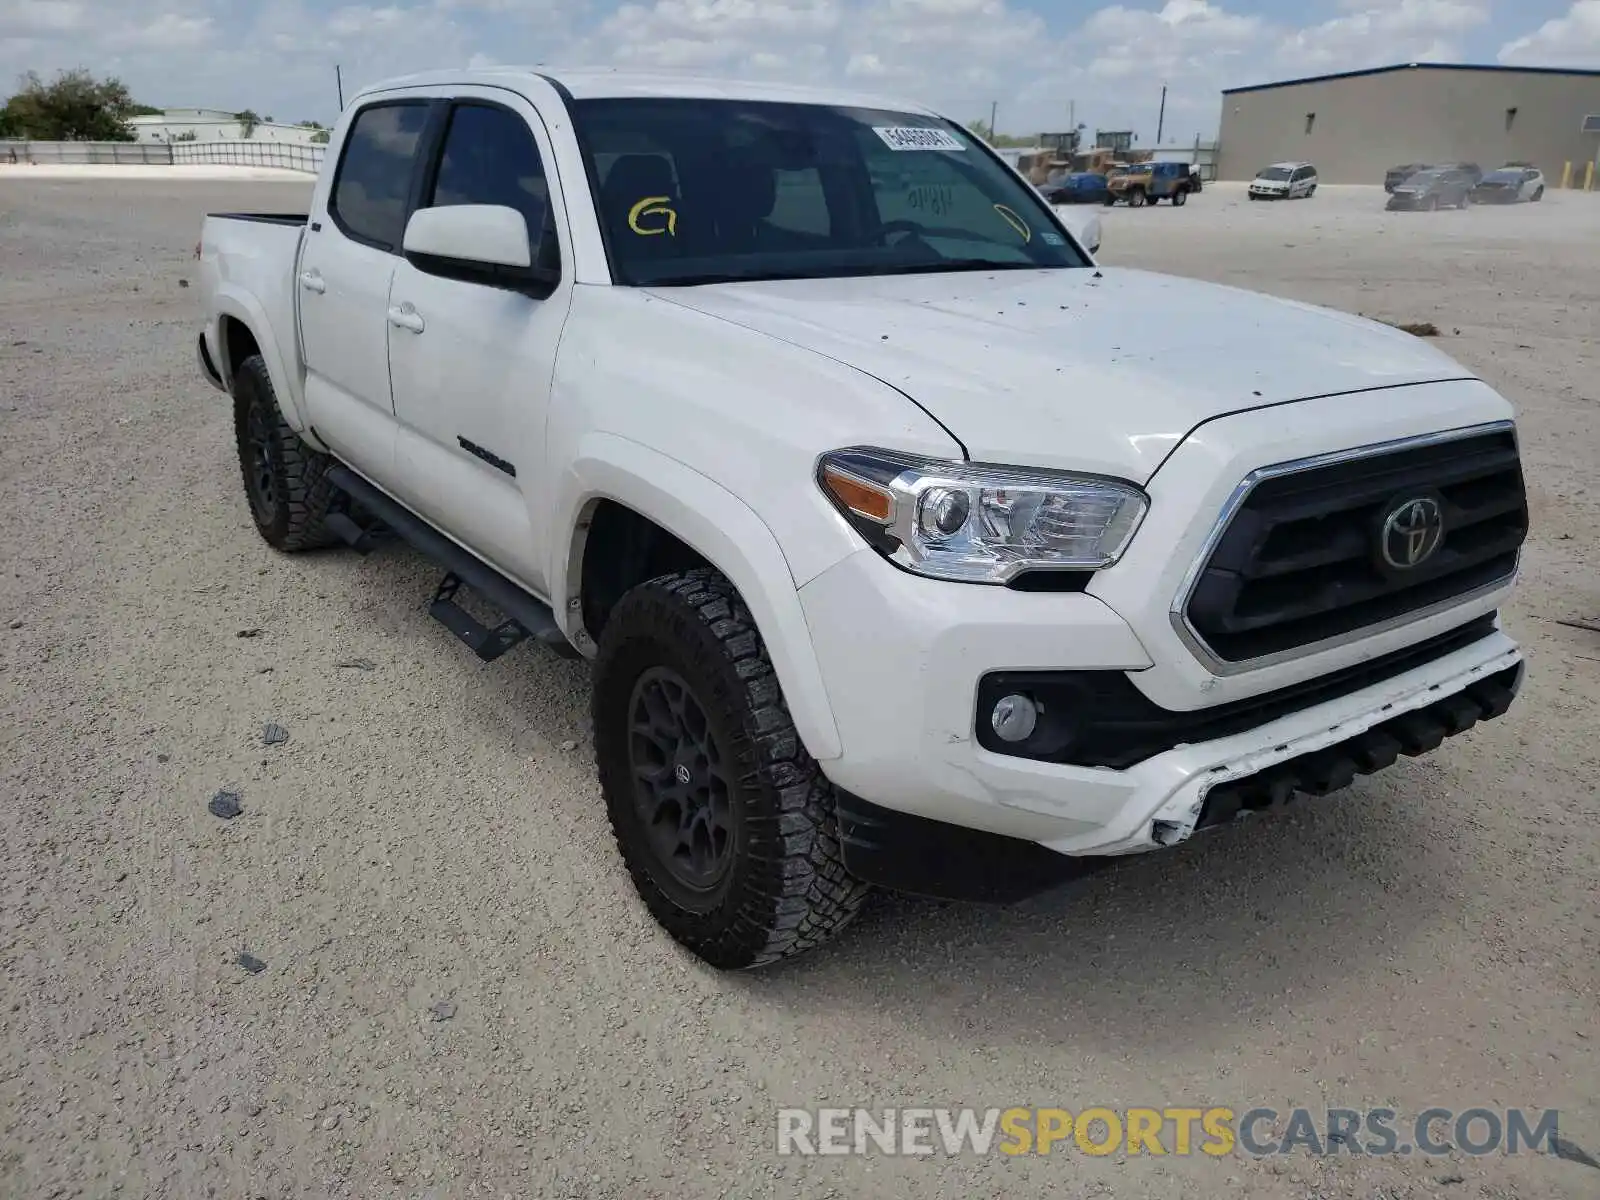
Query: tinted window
[[706, 190], [374, 180], [490, 157]]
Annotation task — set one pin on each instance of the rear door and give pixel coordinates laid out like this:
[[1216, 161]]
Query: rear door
[[472, 363], [343, 284]]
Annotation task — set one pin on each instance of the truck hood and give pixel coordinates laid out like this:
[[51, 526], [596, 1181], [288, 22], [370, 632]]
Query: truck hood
[[1102, 370]]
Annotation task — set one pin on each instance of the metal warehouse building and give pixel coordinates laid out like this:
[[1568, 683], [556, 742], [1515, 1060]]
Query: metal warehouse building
[[1356, 124]]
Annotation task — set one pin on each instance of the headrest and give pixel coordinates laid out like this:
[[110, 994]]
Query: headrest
[[635, 176]]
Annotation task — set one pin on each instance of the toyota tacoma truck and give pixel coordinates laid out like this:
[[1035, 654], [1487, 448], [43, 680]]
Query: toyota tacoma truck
[[911, 547]]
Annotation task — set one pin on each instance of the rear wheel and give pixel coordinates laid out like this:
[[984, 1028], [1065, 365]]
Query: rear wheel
[[726, 825], [285, 479], [1136, 198], [1180, 197], [1110, 199]]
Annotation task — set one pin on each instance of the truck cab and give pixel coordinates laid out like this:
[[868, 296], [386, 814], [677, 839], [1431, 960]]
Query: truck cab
[[787, 409]]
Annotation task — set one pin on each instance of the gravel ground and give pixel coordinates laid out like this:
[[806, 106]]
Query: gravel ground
[[461, 995]]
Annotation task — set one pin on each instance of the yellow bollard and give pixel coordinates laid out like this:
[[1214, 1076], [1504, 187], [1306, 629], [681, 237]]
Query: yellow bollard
[[1566, 175], [1588, 177]]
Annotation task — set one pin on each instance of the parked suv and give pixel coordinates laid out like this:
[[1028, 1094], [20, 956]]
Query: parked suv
[[1284, 181], [1441, 187], [1148, 182], [1510, 184], [703, 382]]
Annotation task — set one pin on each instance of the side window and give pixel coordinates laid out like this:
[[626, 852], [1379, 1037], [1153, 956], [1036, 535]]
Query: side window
[[490, 157], [369, 193]]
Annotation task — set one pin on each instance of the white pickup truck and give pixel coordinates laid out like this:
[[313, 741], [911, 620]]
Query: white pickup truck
[[912, 548]]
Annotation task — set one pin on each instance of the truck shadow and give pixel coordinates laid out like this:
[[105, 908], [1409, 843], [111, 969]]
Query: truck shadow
[[1161, 951]]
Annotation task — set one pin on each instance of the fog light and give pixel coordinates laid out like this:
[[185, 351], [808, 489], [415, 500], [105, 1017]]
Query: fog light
[[1014, 717]]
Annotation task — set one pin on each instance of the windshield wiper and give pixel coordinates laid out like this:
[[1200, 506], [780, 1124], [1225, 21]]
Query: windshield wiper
[[949, 264], [721, 277]]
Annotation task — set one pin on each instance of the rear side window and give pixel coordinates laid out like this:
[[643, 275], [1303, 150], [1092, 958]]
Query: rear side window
[[490, 157], [374, 179]]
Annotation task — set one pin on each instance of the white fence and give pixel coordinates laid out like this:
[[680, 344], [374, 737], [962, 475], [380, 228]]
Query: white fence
[[286, 155]]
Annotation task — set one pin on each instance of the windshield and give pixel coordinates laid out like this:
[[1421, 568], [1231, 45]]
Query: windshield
[[1274, 173], [1424, 178], [710, 191]]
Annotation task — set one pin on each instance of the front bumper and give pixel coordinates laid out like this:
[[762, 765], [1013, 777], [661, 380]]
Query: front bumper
[[902, 657], [1269, 193], [1401, 200]]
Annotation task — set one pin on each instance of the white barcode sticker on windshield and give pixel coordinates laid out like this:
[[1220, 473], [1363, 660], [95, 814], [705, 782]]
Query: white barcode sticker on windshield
[[913, 137]]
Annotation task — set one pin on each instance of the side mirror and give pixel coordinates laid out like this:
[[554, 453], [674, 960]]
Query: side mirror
[[476, 243]]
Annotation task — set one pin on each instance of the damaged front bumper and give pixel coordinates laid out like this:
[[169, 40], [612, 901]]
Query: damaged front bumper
[[1315, 751]]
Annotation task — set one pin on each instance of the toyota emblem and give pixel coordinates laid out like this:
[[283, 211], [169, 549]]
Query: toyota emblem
[[1411, 533]]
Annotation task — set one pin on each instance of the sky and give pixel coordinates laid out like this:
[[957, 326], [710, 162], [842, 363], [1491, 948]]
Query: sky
[[1039, 60]]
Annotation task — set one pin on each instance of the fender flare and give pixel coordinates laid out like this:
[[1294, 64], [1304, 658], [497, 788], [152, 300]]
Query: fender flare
[[718, 526], [244, 308]]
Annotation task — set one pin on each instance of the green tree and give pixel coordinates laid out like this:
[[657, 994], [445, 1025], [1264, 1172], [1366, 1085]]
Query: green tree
[[319, 138], [980, 129], [249, 121], [73, 107]]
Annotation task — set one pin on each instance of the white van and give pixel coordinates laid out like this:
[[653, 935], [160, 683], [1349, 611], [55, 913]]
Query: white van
[[1284, 181]]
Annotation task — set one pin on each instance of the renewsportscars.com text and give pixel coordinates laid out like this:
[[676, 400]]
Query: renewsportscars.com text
[[1215, 1131]]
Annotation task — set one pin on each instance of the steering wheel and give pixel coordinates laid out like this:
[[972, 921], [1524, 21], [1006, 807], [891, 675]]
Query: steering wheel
[[899, 225]]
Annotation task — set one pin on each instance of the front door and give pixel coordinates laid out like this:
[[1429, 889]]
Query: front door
[[471, 363], [343, 285]]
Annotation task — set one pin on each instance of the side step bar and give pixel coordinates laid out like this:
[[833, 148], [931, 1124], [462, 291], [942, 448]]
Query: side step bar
[[530, 617]]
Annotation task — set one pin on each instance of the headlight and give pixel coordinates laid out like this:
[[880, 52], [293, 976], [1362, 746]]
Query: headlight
[[981, 524]]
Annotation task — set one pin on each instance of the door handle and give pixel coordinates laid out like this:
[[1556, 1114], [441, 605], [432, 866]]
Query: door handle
[[406, 317], [312, 281]]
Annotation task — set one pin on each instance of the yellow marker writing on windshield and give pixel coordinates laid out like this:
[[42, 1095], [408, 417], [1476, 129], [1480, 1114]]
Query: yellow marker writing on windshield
[[1015, 222], [653, 206]]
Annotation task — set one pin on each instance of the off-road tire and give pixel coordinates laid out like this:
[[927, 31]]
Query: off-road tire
[[1136, 198], [1180, 197], [1110, 200], [786, 889], [302, 497]]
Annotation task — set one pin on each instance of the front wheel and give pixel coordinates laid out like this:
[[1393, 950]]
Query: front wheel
[[726, 825], [1180, 197], [285, 480], [1136, 199], [1538, 194]]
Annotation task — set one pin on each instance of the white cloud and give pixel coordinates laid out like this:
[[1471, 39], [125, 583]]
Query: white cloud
[[1572, 40], [1380, 32]]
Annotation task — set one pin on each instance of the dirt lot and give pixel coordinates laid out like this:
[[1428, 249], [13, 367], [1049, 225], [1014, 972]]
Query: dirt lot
[[431, 832]]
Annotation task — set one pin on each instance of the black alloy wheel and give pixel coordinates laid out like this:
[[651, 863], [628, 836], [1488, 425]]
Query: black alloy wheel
[[681, 784]]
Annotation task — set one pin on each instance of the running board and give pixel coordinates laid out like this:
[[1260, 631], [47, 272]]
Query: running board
[[529, 616]]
